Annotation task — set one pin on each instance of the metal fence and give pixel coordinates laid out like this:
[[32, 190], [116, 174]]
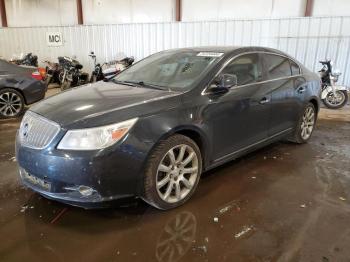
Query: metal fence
[[309, 39]]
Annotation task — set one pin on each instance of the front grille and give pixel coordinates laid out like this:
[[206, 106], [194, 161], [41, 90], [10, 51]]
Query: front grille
[[36, 131]]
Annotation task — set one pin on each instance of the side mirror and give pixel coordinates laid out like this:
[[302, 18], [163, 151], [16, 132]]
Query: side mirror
[[223, 83], [228, 80]]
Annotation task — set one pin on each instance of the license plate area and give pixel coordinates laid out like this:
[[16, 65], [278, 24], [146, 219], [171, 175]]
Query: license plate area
[[35, 180]]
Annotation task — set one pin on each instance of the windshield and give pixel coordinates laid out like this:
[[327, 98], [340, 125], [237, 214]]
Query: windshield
[[172, 70]]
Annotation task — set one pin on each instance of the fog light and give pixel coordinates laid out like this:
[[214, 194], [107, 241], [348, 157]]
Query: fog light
[[85, 190]]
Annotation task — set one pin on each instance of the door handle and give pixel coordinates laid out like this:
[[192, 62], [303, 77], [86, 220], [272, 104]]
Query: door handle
[[301, 89], [264, 100]]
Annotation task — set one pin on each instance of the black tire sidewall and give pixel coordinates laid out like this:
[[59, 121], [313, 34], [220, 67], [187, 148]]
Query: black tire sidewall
[[150, 194], [20, 97]]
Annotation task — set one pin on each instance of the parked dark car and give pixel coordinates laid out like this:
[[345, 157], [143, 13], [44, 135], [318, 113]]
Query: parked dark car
[[159, 124], [19, 86]]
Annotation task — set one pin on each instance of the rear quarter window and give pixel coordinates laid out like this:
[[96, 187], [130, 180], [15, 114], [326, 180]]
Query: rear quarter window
[[295, 68]]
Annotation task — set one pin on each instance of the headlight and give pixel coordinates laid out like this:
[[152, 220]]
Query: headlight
[[96, 137]]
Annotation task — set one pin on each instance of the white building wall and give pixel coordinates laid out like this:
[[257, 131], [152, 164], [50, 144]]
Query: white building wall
[[331, 7], [194, 10], [40, 12], [30, 13], [308, 39], [127, 11]]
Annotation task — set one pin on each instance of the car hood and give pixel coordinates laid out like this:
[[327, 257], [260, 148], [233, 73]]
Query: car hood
[[104, 103]]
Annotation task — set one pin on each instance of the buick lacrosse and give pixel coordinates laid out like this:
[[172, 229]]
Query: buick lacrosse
[[155, 128]]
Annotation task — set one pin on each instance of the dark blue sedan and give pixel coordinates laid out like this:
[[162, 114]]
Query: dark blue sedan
[[152, 130]]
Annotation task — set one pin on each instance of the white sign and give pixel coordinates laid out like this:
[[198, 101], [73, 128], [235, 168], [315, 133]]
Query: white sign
[[211, 54], [54, 39]]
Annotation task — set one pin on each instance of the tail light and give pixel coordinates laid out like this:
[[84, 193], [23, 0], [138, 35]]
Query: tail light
[[42, 72], [37, 75]]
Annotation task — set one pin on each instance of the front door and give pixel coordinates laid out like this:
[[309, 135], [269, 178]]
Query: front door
[[239, 118]]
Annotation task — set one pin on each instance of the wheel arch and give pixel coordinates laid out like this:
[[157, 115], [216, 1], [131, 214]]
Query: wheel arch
[[194, 133], [315, 102], [16, 89], [197, 135]]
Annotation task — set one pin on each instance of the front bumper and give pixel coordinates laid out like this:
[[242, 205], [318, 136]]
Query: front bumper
[[104, 175]]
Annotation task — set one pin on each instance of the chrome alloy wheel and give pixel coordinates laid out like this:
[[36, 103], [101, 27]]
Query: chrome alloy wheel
[[308, 123], [177, 173], [10, 104], [176, 237]]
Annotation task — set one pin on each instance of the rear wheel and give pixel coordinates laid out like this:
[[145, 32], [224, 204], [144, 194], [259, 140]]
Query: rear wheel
[[305, 125], [11, 103], [172, 173]]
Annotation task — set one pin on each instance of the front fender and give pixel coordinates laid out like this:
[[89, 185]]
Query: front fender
[[329, 89]]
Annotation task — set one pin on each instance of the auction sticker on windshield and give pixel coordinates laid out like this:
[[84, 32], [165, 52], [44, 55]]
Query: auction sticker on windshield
[[211, 54]]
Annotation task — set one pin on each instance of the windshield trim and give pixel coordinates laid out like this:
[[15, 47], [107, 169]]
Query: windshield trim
[[186, 89]]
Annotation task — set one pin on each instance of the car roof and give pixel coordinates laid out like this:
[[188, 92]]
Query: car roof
[[229, 49]]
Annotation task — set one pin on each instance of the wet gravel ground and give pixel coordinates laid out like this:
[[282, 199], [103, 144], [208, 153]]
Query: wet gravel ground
[[285, 202]]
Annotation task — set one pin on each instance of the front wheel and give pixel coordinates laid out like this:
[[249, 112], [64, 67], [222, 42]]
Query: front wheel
[[65, 85], [93, 78], [48, 80], [337, 100], [172, 172]]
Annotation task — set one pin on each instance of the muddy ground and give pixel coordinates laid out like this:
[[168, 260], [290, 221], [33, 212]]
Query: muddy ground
[[285, 202]]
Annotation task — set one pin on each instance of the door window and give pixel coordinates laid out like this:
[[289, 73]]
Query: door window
[[277, 66], [295, 68], [246, 68]]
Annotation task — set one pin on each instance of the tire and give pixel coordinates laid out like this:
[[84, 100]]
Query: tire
[[155, 172], [60, 77], [298, 136], [345, 99], [48, 80], [11, 103], [65, 85]]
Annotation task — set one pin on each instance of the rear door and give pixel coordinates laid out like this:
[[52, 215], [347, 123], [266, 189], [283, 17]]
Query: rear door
[[287, 91]]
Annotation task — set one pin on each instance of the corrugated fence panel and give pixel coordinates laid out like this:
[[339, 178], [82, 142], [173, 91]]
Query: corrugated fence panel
[[309, 39]]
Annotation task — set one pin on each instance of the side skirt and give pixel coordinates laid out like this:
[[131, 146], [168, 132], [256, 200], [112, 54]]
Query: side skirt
[[243, 151]]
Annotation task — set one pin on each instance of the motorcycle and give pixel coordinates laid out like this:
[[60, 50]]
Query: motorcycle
[[28, 60], [115, 67], [71, 74], [332, 95], [52, 73]]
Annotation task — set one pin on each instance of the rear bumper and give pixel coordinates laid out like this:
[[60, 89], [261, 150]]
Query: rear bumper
[[87, 179], [34, 91]]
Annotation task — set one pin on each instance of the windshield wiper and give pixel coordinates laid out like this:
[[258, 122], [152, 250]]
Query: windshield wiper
[[141, 83], [124, 82], [147, 85], [138, 83]]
